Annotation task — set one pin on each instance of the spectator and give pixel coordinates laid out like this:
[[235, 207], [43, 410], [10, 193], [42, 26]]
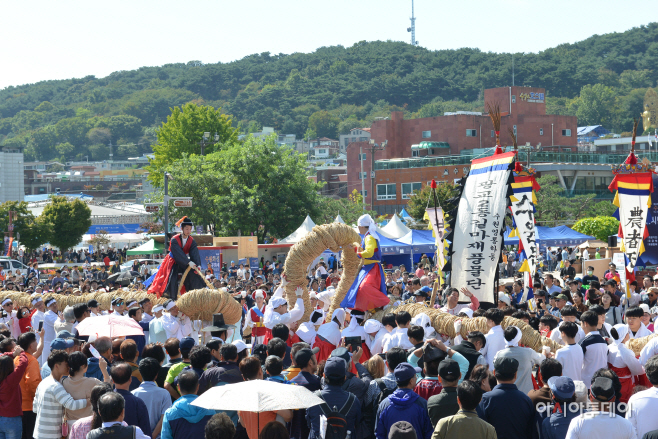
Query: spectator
[[404, 405], [307, 363], [184, 420], [274, 367], [398, 337], [186, 345], [494, 408], [172, 348], [274, 430], [334, 396], [402, 430], [526, 357], [357, 385], [80, 386], [226, 371], [430, 384], [104, 347], [465, 424], [157, 400], [556, 422], [570, 356], [250, 368], [445, 403], [136, 411], [83, 426], [470, 349], [600, 421], [645, 403], [111, 407], [595, 348], [541, 397], [11, 424], [219, 426], [30, 380], [51, 398]]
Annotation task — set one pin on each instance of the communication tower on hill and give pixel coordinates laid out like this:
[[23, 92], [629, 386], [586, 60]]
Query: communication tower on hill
[[412, 29]]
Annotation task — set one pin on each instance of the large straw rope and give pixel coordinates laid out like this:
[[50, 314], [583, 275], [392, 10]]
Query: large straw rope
[[335, 237]]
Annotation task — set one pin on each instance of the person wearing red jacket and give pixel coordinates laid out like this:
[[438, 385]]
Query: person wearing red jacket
[[11, 413]]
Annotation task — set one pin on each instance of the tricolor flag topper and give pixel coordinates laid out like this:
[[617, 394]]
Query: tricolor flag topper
[[523, 210], [634, 185], [476, 230], [436, 224]]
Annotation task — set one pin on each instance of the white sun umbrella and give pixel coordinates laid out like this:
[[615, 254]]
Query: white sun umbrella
[[257, 396]]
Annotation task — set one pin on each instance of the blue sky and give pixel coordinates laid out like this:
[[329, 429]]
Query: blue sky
[[70, 38]]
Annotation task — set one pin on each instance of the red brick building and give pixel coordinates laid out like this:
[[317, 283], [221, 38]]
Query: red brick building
[[523, 109]]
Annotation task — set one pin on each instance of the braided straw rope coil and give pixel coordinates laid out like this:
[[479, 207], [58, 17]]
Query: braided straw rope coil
[[335, 237]]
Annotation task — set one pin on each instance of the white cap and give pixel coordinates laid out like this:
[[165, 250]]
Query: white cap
[[504, 298], [645, 308], [467, 311], [240, 345], [157, 308], [312, 295], [340, 315], [277, 302]]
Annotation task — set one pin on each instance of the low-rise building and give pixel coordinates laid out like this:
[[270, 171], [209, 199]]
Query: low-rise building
[[11, 174]]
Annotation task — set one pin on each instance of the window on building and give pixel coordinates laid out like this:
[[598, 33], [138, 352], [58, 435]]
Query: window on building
[[386, 191], [363, 139], [566, 133], [363, 175], [541, 131], [471, 133], [514, 128], [427, 134], [493, 133], [322, 151], [362, 156], [409, 188], [414, 153], [514, 99], [364, 193]]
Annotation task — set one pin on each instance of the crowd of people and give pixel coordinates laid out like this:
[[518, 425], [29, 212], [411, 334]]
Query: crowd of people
[[394, 378]]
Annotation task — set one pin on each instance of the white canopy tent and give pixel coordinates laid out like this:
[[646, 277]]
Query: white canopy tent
[[395, 228], [301, 231], [119, 237], [339, 220]]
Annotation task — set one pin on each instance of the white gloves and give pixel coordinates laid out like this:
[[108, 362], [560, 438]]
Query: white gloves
[[458, 326], [284, 281], [299, 291], [192, 265]]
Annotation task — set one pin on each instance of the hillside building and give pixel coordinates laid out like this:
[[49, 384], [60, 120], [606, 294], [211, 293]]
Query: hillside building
[[12, 185]]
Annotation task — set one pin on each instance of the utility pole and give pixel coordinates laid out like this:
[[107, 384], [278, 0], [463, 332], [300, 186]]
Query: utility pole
[[167, 176], [374, 147]]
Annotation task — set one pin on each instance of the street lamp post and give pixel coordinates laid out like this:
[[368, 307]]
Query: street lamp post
[[205, 140], [374, 147], [167, 177]]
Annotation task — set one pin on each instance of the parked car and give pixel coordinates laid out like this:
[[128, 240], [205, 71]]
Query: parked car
[[11, 264], [151, 264]]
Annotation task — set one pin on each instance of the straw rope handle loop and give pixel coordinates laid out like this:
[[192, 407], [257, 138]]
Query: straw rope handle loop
[[182, 279]]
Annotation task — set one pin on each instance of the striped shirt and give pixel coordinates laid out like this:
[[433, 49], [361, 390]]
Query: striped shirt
[[50, 400]]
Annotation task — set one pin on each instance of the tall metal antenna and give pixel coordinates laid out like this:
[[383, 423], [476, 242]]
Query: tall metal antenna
[[412, 29]]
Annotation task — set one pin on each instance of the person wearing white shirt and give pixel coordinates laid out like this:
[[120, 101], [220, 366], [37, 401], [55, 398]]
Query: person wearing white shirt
[[147, 307], [320, 271], [645, 403], [398, 337], [570, 356], [585, 254], [569, 314], [595, 348], [495, 337], [600, 422], [39, 314], [157, 333], [49, 319], [633, 317], [277, 310], [379, 338], [622, 361], [174, 323], [549, 286], [11, 317]]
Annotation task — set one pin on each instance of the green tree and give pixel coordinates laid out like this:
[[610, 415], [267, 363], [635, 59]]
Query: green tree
[[324, 124], [33, 231], [350, 209], [596, 105], [182, 134], [70, 219], [255, 187], [600, 227], [553, 208], [419, 199]]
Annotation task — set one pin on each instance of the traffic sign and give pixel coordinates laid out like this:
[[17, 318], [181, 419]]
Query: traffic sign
[[183, 203], [11, 227], [152, 208]]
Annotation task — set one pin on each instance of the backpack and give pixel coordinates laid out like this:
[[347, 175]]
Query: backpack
[[336, 420], [369, 412]]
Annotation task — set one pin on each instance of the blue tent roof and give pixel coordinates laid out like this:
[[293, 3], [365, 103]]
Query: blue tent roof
[[421, 241], [552, 236], [404, 214], [393, 247]]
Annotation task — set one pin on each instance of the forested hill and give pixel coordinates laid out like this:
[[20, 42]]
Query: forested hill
[[601, 80]]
